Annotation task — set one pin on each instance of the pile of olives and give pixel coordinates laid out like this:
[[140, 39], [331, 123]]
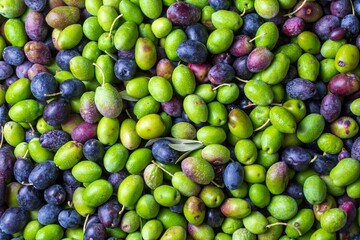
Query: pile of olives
[[193, 119]]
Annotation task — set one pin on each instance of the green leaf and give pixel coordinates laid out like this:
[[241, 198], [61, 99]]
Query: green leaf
[[125, 96], [173, 141], [185, 147], [182, 157]]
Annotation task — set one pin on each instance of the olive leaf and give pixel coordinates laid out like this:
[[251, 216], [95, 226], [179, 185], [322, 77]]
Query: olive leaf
[[113, 56], [181, 145], [185, 147], [125, 96], [151, 142], [182, 157]]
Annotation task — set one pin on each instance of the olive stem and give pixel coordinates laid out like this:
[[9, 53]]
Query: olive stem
[[262, 126], [69, 203], [243, 12], [2, 136], [85, 222], [276, 104], [313, 159], [216, 184], [219, 86], [26, 152], [250, 105], [141, 223], [258, 36], [241, 80], [352, 8], [121, 210], [113, 24], [284, 224], [113, 57], [127, 113], [296, 10], [32, 128], [52, 94], [102, 73], [26, 184], [163, 169]]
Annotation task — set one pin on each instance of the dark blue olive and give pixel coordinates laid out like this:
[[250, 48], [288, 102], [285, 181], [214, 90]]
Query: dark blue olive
[[163, 153], [301, 89], [44, 174], [355, 149], [48, 214], [241, 69], [294, 190], [82, 44], [29, 197], [323, 165], [57, 112], [10, 80], [95, 231], [70, 218], [93, 219], [126, 54], [116, 178], [49, 43], [192, 51], [14, 219], [179, 119], [290, 75], [220, 4], [321, 90], [5, 70], [13, 55], [22, 70], [332, 157], [125, 69], [221, 73], [52, 140], [223, 57], [22, 170], [2, 193], [251, 23], [313, 106], [214, 217], [70, 184], [3, 114], [352, 25], [325, 25], [55, 194], [7, 159], [63, 58], [43, 84], [233, 175], [296, 157], [72, 88], [30, 134], [356, 237], [357, 7], [4, 236], [93, 150], [108, 213], [36, 5], [179, 208], [197, 32]]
